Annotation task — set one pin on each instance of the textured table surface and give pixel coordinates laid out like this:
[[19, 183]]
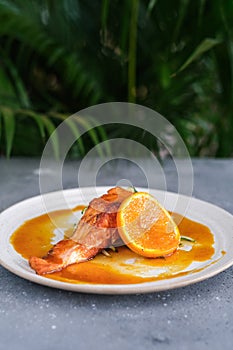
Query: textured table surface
[[199, 316]]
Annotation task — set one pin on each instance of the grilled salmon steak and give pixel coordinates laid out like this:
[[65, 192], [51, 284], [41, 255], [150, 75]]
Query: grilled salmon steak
[[96, 230]]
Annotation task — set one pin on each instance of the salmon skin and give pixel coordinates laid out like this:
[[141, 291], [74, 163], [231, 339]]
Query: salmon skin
[[96, 230]]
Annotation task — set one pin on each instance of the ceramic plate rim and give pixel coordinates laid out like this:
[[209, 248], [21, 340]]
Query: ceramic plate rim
[[146, 287]]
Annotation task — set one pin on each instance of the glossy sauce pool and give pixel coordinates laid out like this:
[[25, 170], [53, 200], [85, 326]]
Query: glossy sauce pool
[[35, 237]]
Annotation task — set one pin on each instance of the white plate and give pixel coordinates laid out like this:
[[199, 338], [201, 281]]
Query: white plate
[[219, 221]]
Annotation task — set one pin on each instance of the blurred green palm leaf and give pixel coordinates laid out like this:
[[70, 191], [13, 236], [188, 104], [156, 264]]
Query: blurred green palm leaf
[[57, 58], [204, 46]]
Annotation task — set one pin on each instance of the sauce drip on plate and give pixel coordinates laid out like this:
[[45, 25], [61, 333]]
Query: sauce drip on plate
[[36, 236]]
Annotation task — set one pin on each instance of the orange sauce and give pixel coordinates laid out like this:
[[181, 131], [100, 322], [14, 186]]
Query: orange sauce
[[35, 237]]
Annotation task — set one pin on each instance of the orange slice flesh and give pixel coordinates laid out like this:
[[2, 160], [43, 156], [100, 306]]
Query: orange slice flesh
[[146, 227]]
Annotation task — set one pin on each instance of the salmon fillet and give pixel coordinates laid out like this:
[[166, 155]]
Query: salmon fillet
[[96, 230]]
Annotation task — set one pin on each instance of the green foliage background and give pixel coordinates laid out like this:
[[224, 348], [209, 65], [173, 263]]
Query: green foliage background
[[174, 56]]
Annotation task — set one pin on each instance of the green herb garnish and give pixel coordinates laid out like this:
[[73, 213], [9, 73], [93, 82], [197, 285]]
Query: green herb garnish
[[83, 211], [188, 239]]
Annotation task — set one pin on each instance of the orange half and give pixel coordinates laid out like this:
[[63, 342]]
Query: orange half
[[146, 227]]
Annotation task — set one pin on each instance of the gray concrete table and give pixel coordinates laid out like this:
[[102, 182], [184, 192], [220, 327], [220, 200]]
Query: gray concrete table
[[199, 316]]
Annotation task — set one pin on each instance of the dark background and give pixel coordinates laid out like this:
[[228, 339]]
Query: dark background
[[174, 56]]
